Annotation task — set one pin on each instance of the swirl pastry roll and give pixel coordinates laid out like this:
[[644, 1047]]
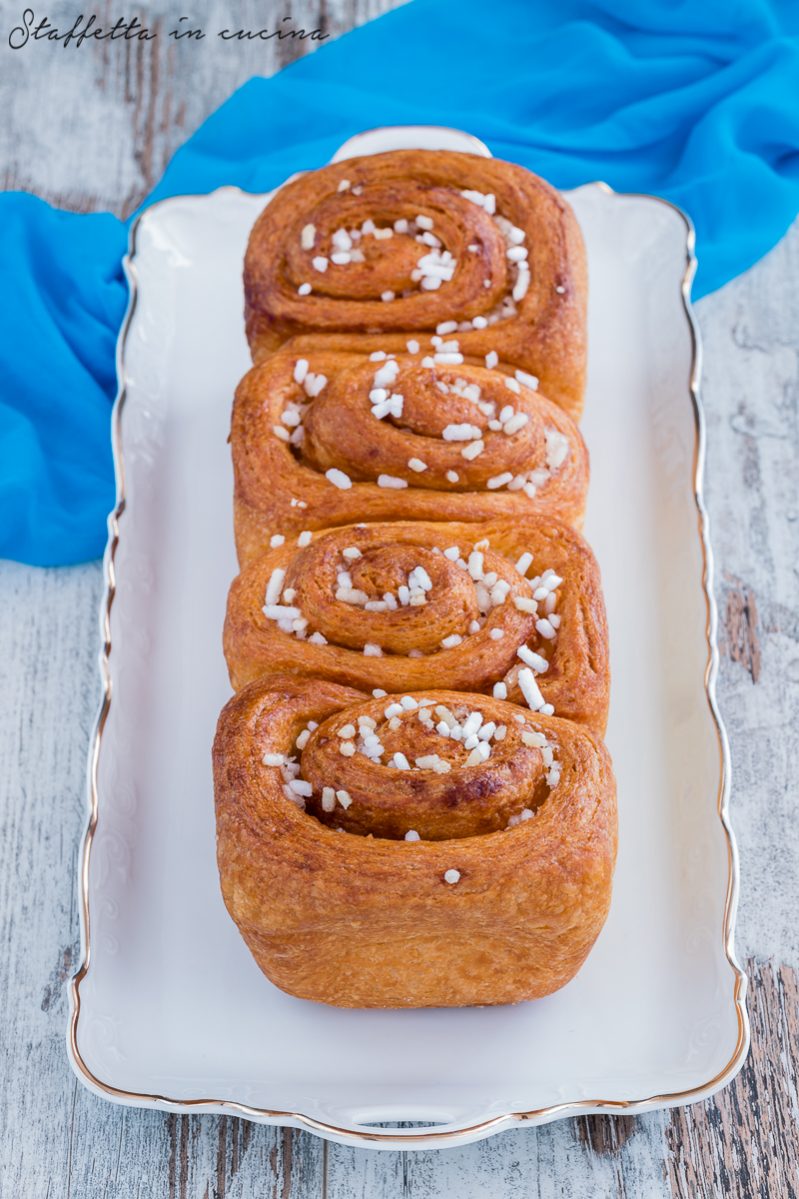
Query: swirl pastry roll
[[337, 437], [372, 252], [433, 849], [511, 609]]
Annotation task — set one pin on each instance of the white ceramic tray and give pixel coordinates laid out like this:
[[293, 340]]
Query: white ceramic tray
[[168, 1008]]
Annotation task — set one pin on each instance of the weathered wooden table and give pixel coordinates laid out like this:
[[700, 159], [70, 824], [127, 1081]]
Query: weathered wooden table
[[92, 128]]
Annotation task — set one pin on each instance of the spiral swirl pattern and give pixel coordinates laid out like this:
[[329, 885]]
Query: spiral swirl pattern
[[334, 861], [510, 609], [398, 244], [336, 437], [455, 768], [413, 806]]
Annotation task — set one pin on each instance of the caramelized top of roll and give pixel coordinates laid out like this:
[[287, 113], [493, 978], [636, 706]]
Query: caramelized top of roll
[[372, 252]]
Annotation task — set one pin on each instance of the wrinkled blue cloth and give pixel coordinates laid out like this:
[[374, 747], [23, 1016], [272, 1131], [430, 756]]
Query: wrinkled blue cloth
[[694, 102]]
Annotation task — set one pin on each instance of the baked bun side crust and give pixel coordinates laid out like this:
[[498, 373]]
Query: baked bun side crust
[[364, 921]]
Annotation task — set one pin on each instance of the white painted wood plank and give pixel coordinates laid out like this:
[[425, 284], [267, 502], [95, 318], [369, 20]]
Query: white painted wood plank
[[54, 1137]]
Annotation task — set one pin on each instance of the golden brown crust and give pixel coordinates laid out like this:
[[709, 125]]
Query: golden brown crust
[[361, 921], [542, 331], [416, 847], [282, 487], [576, 678]]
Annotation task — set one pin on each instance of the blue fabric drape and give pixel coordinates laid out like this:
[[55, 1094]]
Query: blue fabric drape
[[694, 102]]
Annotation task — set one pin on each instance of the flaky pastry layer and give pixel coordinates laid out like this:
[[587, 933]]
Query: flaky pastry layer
[[338, 914]]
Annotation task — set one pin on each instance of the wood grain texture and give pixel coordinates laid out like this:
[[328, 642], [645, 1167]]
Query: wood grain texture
[[747, 1141], [128, 109], [132, 104]]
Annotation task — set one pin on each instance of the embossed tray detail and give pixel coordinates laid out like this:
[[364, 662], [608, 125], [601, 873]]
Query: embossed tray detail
[[167, 1007]]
